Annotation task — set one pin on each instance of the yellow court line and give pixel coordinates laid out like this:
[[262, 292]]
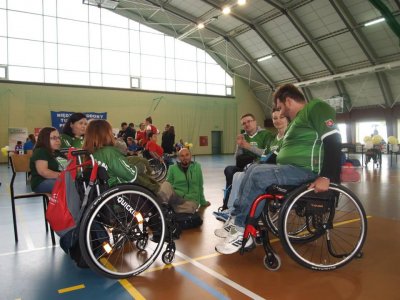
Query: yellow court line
[[349, 221], [124, 282], [138, 296], [131, 289], [72, 288]]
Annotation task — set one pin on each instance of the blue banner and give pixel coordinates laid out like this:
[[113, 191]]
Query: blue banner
[[59, 118]]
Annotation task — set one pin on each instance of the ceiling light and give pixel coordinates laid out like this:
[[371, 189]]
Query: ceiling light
[[241, 2], [264, 58], [200, 25], [226, 10], [374, 22]]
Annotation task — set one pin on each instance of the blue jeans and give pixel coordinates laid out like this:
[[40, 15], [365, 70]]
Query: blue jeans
[[260, 176], [236, 183], [45, 186]]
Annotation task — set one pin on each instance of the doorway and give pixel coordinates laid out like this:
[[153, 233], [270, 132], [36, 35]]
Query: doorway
[[216, 142]]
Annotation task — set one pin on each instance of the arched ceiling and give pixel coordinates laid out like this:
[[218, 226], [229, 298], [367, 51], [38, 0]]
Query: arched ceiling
[[321, 45]]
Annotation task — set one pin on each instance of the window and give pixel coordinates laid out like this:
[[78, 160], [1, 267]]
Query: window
[[68, 42], [364, 129], [3, 72], [398, 129], [343, 131]]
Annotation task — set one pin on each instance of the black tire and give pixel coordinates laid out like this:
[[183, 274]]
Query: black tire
[[168, 257], [273, 263], [126, 216], [336, 227]]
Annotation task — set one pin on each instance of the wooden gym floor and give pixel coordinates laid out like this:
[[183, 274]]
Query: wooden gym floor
[[33, 269]]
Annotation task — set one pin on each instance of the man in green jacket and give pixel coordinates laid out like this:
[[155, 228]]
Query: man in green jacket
[[186, 178]]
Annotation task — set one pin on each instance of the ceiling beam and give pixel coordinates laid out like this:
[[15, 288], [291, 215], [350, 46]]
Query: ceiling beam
[[130, 14], [264, 37], [313, 44], [386, 90], [246, 56], [306, 36], [167, 7], [357, 34]]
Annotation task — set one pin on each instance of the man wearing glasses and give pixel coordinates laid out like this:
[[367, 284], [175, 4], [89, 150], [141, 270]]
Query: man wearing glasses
[[250, 146]]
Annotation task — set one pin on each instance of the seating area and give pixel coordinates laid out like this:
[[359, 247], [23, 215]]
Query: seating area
[[20, 165], [197, 267]]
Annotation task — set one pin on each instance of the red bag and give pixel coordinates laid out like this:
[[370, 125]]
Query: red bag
[[64, 204], [349, 173]]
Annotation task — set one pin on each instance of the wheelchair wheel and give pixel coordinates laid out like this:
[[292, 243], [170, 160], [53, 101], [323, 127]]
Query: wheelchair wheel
[[322, 231], [272, 262], [159, 169], [117, 230]]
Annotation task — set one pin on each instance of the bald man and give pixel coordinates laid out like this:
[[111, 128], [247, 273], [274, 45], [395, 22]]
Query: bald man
[[186, 178]]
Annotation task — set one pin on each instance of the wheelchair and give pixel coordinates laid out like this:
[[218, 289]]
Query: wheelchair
[[323, 231], [159, 168], [123, 229]]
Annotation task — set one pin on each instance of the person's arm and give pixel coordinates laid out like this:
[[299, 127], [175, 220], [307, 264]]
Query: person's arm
[[42, 167], [331, 166], [122, 169], [322, 117]]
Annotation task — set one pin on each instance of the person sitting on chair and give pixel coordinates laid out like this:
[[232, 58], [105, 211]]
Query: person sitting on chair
[[44, 163], [280, 122], [186, 178], [250, 146], [310, 151], [30, 142]]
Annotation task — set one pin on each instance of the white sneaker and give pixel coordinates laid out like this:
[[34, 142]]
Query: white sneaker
[[224, 231], [233, 242]]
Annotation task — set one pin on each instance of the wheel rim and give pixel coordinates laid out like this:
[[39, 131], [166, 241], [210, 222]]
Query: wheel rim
[[124, 230], [339, 232]]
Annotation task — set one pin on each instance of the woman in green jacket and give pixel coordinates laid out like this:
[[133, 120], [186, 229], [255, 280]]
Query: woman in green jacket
[[73, 131]]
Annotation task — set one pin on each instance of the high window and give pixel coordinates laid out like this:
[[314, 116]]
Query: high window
[[68, 42]]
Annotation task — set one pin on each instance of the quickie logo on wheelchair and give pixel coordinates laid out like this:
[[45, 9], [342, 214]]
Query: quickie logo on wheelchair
[[130, 209]]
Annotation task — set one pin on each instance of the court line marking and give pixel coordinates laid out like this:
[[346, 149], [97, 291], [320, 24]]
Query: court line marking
[[27, 235], [202, 284], [220, 277], [71, 288], [137, 295], [124, 282], [131, 289]]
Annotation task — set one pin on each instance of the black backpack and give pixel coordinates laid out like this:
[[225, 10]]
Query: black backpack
[[187, 220]]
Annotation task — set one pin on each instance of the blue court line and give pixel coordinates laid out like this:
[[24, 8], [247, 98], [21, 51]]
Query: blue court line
[[201, 284]]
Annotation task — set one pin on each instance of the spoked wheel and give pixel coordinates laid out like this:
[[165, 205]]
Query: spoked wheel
[[122, 231], [272, 262], [331, 227], [159, 169]]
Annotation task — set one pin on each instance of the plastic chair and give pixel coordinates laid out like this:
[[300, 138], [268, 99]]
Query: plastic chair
[[20, 164]]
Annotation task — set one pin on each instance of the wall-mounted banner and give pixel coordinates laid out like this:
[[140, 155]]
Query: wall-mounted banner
[[59, 118]]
